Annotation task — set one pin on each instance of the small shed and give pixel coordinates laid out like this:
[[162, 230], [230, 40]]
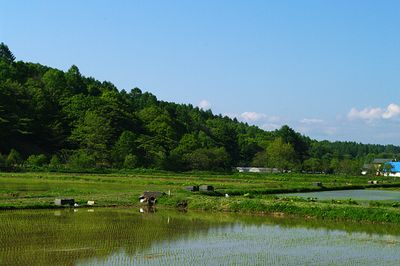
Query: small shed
[[257, 170], [150, 197], [318, 184], [378, 165], [206, 188], [192, 188], [62, 202]]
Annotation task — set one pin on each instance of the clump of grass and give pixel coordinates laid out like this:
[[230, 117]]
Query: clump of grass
[[345, 212], [375, 204], [396, 204], [352, 202], [172, 201], [248, 195], [384, 204]]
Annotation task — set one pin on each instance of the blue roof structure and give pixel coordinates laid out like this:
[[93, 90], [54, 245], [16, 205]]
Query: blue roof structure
[[395, 167]]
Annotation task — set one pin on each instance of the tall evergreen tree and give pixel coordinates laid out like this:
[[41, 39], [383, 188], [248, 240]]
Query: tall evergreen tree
[[6, 54]]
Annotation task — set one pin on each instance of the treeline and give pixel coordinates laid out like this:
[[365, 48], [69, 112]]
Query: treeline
[[62, 119]]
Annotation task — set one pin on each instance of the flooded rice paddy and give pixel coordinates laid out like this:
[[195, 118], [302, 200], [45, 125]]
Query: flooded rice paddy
[[357, 194], [127, 237]]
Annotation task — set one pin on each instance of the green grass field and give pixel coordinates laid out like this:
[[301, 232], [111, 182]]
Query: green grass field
[[248, 192]]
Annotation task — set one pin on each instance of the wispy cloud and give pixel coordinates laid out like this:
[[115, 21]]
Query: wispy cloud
[[255, 117], [316, 127], [270, 126], [342, 126], [330, 130], [262, 120], [204, 104], [230, 115], [375, 113], [365, 114], [311, 121]]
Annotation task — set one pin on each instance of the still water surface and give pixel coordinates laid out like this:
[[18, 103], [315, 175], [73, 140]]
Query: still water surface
[[127, 237], [356, 194]]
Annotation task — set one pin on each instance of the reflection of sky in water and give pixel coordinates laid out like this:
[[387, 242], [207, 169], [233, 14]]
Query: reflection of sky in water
[[362, 194], [240, 244], [127, 237]]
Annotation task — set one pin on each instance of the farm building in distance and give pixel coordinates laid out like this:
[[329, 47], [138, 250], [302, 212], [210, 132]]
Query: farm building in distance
[[257, 170], [378, 163], [391, 169], [376, 166]]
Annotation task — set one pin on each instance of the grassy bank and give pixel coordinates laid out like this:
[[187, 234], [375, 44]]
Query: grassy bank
[[247, 192], [276, 206]]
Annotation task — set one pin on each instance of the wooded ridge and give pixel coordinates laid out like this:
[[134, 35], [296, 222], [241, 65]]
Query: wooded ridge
[[51, 117]]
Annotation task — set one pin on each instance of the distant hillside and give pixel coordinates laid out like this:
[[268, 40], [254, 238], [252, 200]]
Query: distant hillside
[[80, 121]]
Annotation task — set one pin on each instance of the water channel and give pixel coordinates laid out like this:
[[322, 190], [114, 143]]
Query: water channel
[[354, 194]]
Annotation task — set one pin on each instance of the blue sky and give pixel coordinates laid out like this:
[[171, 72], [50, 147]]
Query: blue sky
[[329, 69]]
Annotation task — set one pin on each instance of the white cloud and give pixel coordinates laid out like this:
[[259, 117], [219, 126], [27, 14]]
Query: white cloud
[[204, 104], [392, 110], [369, 114], [254, 117], [230, 115], [264, 121], [270, 126], [311, 121], [365, 114]]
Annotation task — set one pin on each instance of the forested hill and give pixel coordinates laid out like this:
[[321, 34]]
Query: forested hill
[[48, 116]]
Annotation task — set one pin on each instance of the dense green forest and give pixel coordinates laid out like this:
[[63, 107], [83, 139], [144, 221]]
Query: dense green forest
[[62, 119]]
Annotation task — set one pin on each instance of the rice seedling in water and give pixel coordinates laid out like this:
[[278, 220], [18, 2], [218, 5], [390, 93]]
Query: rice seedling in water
[[126, 237]]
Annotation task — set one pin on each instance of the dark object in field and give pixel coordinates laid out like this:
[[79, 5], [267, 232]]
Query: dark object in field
[[212, 193], [192, 188], [206, 188], [61, 202], [182, 205], [150, 197], [148, 209], [318, 184]]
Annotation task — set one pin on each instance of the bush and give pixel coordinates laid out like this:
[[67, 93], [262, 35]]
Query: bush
[[131, 161], [36, 160], [54, 162], [2, 161], [80, 159], [14, 159]]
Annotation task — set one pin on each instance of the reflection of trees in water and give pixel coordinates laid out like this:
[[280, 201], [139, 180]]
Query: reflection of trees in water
[[40, 237], [287, 221]]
